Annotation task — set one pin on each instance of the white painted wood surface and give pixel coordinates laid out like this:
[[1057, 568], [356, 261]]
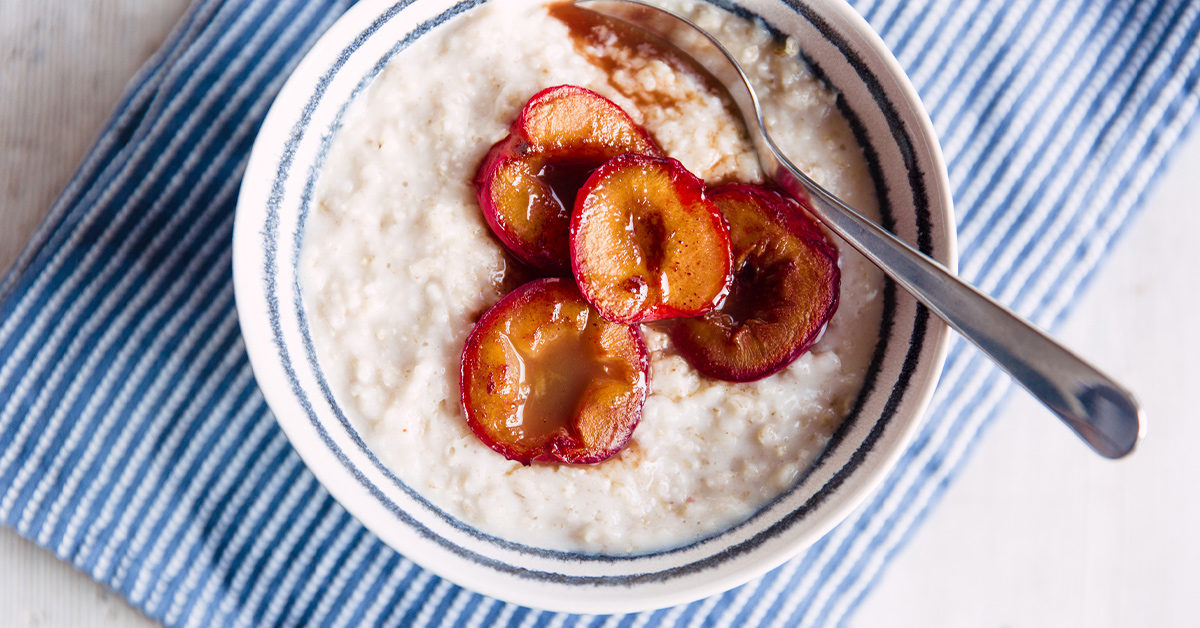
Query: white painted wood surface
[[1036, 531], [63, 64]]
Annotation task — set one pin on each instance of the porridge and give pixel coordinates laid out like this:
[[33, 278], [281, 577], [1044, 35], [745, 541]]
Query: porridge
[[398, 264]]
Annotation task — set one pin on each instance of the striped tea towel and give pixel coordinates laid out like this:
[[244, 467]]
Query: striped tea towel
[[134, 443]]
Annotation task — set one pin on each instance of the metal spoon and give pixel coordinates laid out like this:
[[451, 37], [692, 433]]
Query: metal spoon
[[1102, 413]]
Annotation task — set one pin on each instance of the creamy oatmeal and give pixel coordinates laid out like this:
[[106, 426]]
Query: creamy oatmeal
[[398, 263]]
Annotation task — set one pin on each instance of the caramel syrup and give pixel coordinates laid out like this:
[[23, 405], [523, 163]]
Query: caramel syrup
[[566, 177], [555, 378]]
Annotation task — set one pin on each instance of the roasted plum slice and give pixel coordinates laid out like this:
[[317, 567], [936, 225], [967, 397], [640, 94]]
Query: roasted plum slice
[[545, 378], [785, 289], [647, 244], [527, 183]]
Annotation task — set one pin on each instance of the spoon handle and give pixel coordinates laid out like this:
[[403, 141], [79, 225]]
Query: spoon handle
[[1102, 413]]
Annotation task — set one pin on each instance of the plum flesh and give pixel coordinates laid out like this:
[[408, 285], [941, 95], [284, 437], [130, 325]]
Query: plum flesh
[[646, 244], [544, 378], [785, 289], [528, 181]]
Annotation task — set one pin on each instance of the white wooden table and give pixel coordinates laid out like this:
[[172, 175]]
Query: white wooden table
[[1037, 531]]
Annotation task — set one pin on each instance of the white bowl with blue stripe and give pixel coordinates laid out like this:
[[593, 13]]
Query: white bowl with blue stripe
[[277, 193]]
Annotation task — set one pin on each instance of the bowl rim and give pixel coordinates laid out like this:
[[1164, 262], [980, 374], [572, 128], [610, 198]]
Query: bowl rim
[[315, 453]]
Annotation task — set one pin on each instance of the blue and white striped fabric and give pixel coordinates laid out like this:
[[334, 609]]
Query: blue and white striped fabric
[[135, 445]]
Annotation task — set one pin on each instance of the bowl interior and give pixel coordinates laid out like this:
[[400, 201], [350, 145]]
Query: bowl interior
[[277, 194]]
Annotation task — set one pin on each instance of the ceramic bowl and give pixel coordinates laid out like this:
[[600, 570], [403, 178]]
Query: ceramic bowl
[[276, 196]]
